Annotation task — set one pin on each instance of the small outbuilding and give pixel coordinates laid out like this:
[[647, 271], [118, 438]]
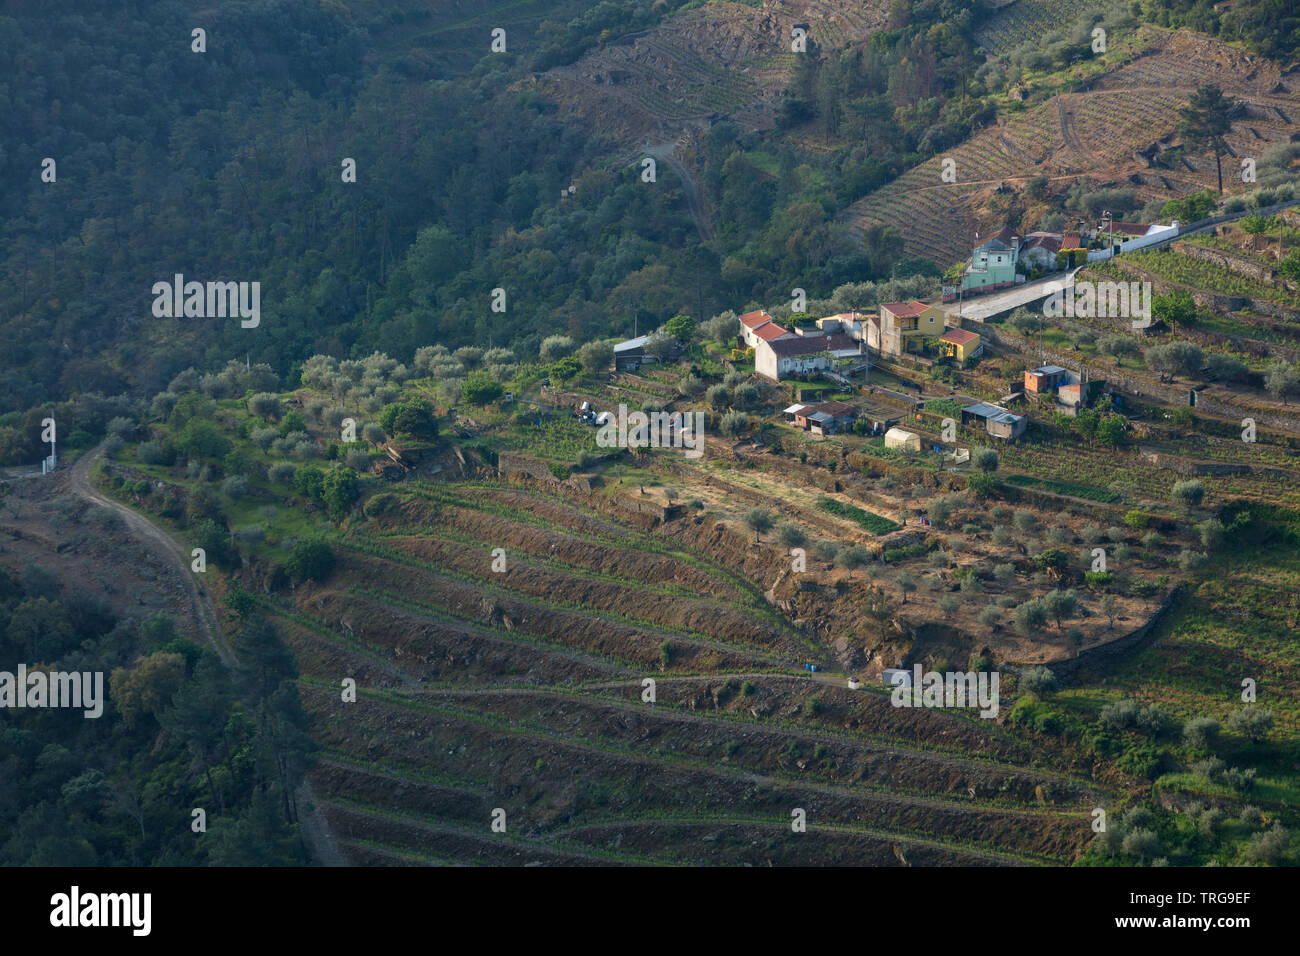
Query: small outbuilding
[[902, 440]]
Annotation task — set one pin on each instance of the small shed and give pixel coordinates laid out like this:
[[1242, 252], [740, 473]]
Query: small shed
[[902, 440], [631, 354]]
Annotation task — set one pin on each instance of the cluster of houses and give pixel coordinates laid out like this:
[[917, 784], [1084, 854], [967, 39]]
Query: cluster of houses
[[840, 343], [1003, 259]]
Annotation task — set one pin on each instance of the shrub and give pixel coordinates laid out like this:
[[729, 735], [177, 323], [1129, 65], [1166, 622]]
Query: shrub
[[1251, 722], [153, 453], [478, 388], [311, 560], [733, 423], [1024, 521], [282, 472], [1031, 617], [985, 459], [1097, 579], [1136, 519], [1038, 681], [990, 617], [235, 487], [1268, 847], [1211, 533], [1120, 715], [1189, 494], [264, 405], [1153, 721]]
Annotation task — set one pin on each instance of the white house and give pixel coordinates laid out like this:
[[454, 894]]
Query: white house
[[784, 357], [758, 327]]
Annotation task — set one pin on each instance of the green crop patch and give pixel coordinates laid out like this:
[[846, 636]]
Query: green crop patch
[[871, 522]]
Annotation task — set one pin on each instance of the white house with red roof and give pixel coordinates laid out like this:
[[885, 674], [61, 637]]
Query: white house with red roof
[[758, 327]]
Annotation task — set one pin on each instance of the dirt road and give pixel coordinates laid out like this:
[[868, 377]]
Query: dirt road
[[316, 831]]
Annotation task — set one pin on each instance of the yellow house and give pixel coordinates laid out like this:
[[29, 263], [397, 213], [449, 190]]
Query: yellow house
[[959, 344], [905, 325]]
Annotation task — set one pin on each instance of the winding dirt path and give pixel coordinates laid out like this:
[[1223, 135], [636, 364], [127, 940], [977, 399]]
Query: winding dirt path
[[315, 828]]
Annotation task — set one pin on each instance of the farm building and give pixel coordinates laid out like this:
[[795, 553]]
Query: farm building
[[1072, 397], [827, 418], [1045, 380], [631, 355], [902, 440], [960, 344], [997, 421]]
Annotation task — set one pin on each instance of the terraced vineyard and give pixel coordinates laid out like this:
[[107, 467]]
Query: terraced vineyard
[[522, 690], [1090, 135], [940, 217], [1026, 20], [722, 59]]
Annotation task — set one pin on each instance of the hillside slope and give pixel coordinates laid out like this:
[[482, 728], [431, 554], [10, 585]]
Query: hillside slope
[[1097, 135]]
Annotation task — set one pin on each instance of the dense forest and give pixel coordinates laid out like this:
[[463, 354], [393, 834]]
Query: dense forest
[[177, 733], [226, 166]]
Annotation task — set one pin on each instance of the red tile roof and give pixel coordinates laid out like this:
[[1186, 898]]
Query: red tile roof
[[1044, 240], [752, 320], [906, 310], [1005, 235], [770, 331], [959, 337]]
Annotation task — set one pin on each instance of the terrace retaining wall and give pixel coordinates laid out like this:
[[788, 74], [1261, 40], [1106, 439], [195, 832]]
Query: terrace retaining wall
[[1104, 653]]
